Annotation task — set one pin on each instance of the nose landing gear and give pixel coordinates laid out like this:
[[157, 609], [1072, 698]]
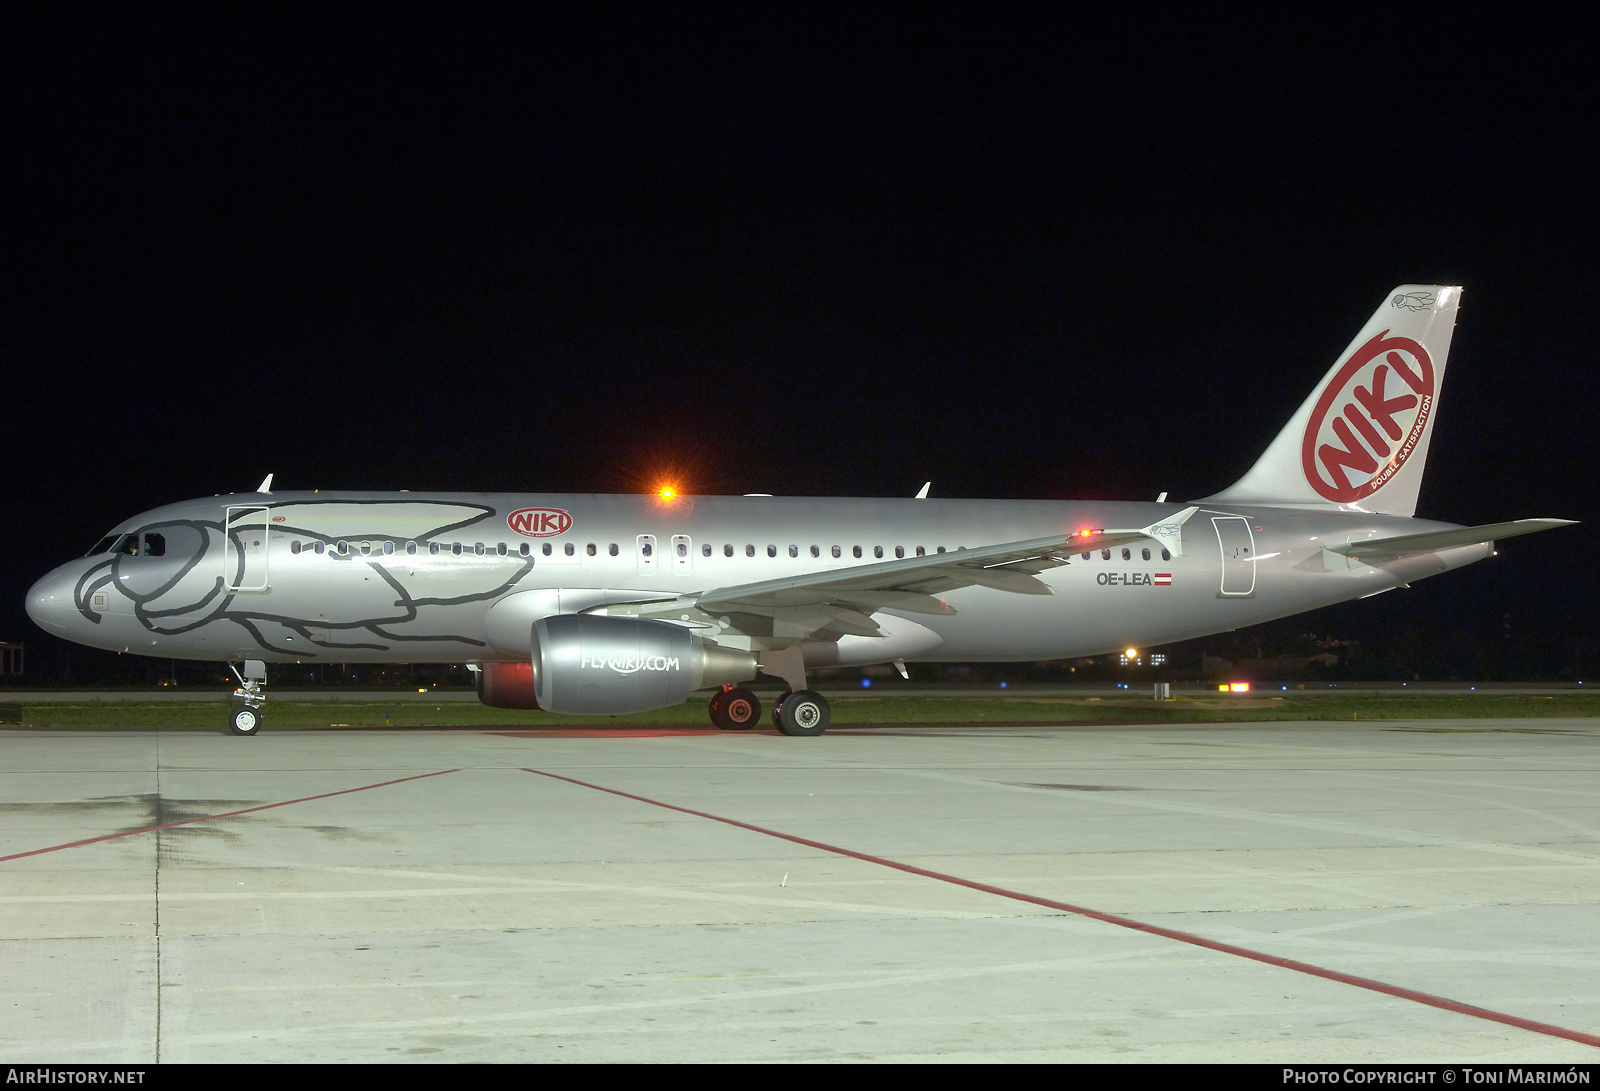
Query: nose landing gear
[[245, 719]]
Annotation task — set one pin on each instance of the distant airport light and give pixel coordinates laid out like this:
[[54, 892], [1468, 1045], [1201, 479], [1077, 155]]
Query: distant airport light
[[1238, 687], [1132, 653]]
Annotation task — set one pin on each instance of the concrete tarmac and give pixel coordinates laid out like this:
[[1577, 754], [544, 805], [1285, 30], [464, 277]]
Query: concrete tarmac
[[1322, 892]]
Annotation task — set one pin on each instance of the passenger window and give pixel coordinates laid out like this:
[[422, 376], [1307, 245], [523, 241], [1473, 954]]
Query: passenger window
[[1165, 555], [727, 550], [794, 551], [524, 549], [388, 549], [570, 549], [612, 549], [500, 548], [1127, 554], [344, 548], [705, 549], [941, 549], [477, 548], [411, 549], [877, 551], [1105, 554], [433, 549], [815, 552], [921, 552], [683, 550], [837, 552], [899, 552], [366, 549], [855, 551], [749, 551], [647, 549], [320, 548], [772, 551], [455, 549], [1086, 556], [1144, 554], [294, 547], [545, 549]]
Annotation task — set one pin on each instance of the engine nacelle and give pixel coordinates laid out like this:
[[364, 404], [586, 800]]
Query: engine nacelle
[[605, 666], [506, 685]]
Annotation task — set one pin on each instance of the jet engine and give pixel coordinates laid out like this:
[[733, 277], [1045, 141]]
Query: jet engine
[[605, 666]]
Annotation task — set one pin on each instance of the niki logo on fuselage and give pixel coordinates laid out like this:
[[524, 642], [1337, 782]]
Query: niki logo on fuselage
[[539, 522], [1353, 447]]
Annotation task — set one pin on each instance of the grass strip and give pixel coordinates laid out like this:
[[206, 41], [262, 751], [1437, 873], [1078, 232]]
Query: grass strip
[[289, 713]]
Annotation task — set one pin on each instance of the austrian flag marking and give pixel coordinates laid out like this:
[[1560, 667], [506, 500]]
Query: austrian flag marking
[[539, 522], [1163, 579]]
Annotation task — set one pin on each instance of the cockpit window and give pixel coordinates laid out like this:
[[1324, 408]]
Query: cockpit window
[[155, 545], [127, 545], [103, 545]]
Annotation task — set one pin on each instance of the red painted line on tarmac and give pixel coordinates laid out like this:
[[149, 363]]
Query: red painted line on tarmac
[[613, 732], [1432, 1001], [225, 814]]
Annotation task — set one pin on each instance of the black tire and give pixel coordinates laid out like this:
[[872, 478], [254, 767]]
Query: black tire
[[245, 720], [743, 709], [805, 713], [735, 710]]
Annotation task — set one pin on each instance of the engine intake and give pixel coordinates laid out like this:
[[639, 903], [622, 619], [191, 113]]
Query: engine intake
[[589, 665]]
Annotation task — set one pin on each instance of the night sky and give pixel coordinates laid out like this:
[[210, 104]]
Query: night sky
[[824, 254]]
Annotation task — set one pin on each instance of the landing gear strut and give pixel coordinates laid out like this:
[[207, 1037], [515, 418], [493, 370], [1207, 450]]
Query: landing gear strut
[[245, 719], [734, 708], [798, 710]]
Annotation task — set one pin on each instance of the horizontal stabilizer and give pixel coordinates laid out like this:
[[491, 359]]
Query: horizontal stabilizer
[[1378, 550]]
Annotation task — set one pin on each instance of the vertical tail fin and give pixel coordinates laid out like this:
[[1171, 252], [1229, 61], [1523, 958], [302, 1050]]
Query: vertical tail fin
[[1361, 439]]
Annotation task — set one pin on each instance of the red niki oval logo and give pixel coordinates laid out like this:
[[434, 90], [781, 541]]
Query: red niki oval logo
[[539, 522], [1369, 419]]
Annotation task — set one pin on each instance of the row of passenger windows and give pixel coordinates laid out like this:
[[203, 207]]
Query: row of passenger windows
[[1127, 554], [365, 549], [154, 545]]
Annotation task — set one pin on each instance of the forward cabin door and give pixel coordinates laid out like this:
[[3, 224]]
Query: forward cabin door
[[1238, 555], [244, 550]]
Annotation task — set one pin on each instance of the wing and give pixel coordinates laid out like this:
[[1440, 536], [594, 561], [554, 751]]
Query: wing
[[840, 601], [1378, 550]]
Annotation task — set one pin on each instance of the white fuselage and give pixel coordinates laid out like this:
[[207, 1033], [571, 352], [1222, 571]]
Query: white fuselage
[[410, 577]]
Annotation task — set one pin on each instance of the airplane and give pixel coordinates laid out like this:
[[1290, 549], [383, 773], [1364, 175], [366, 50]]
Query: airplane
[[604, 605]]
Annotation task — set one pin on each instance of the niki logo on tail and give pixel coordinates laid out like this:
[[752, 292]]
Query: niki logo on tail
[[1369, 418]]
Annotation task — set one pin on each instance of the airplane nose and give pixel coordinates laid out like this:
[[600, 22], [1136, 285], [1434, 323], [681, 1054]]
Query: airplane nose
[[50, 602]]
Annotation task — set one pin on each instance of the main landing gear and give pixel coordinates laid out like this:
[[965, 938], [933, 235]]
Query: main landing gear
[[735, 709], [804, 712], [245, 719]]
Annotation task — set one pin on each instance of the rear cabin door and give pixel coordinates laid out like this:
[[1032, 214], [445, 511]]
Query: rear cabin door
[[1238, 555]]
